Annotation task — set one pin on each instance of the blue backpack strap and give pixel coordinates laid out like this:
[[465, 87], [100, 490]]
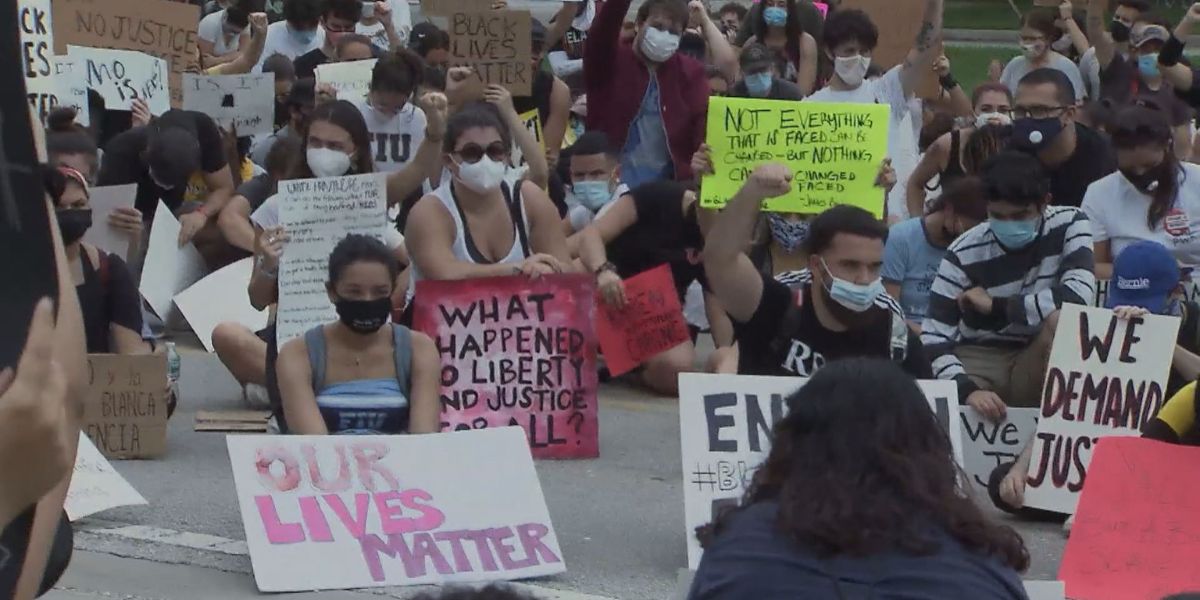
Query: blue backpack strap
[[314, 340], [402, 354]]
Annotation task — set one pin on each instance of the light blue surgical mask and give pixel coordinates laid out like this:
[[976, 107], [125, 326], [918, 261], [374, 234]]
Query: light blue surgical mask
[[775, 16], [854, 296], [1015, 234], [1148, 65], [303, 37], [759, 84], [592, 194]]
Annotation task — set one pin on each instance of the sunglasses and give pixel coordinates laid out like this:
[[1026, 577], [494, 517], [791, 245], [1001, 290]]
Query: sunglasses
[[473, 153]]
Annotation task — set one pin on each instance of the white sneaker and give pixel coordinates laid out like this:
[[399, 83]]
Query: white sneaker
[[1070, 522], [256, 397]]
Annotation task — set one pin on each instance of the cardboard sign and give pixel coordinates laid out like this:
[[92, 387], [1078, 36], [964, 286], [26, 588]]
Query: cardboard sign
[[341, 512], [125, 412], [903, 19], [157, 27], [1106, 377], [169, 268], [517, 351], [650, 323], [987, 445], [72, 89], [317, 214], [1136, 533], [446, 7], [104, 201], [497, 44], [95, 485], [122, 76], [241, 103], [834, 150], [351, 80], [37, 56], [725, 424], [196, 302]]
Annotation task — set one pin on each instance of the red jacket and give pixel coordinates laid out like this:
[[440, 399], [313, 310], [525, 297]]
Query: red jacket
[[616, 81]]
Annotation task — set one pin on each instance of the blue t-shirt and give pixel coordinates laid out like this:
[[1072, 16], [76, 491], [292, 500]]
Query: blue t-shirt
[[646, 156], [364, 407], [910, 260], [751, 558]]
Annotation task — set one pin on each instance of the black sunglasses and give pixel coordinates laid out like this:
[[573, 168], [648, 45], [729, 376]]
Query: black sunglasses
[[473, 153]]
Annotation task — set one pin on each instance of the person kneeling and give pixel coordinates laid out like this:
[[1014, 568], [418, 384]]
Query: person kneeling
[[360, 375]]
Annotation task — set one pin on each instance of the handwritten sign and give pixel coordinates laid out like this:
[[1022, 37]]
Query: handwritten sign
[[497, 44], [330, 512], [651, 322], [37, 56], [834, 151], [351, 79], [125, 412], [122, 76], [241, 103], [72, 89], [1136, 534], [95, 485], [157, 27], [317, 214], [1106, 377], [104, 201], [725, 424], [987, 445], [196, 302], [517, 352]]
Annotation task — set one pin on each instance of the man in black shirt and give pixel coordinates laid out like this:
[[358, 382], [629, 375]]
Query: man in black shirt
[[340, 18], [1074, 155], [838, 308]]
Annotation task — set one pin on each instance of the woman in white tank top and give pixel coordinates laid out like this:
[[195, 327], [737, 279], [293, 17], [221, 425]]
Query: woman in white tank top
[[483, 221]]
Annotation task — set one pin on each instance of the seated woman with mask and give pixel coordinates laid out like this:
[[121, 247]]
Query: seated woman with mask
[[360, 375]]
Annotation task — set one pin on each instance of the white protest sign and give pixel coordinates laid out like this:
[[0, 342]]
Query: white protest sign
[[37, 49], [241, 103], [987, 445], [1045, 590], [351, 79], [203, 311], [104, 201], [169, 269], [340, 512], [317, 214], [72, 89], [95, 485], [725, 424], [121, 76], [1106, 376]]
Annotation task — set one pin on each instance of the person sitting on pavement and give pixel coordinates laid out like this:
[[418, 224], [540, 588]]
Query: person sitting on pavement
[[859, 497], [595, 182], [234, 219], [761, 78], [778, 29], [360, 374]]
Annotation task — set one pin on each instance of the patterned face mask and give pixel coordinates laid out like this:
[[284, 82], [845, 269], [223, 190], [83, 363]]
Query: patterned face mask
[[791, 235]]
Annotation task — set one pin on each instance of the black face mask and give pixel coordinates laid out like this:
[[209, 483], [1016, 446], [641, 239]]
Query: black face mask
[[1146, 182], [364, 316], [1120, 32], [73, 224]]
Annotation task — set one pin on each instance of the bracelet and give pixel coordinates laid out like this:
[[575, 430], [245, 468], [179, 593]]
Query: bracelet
[[948, 82], [1171, 52], [607, 266]]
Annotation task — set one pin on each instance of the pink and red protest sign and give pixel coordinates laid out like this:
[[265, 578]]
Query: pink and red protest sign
[[517, 351], [330, 512], [651, 322]]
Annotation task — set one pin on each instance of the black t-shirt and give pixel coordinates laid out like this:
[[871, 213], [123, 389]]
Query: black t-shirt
[[1093, 159], [124, 163], [306, 64], [663, 233], [784, 337], [107, 297], [257, 189], [539, 97]]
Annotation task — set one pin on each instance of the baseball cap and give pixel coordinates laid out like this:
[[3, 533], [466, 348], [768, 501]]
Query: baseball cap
[[1144, 274], [1150, 33], [755, 58]]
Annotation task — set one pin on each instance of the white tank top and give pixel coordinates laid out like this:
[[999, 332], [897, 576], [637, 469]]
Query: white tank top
[[463, 247]]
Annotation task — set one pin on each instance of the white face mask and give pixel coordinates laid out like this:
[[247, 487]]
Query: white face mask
[[659, 45], [327, 163], [851, 69], [482, 177], [992, 118]]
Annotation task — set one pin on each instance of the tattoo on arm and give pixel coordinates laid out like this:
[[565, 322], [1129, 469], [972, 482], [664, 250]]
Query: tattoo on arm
[[925, 36]]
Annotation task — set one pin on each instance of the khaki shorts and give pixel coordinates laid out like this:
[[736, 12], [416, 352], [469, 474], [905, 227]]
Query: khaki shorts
[[1016, 374]]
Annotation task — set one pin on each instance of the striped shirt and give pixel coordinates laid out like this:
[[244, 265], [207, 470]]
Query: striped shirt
[[1026, 286]]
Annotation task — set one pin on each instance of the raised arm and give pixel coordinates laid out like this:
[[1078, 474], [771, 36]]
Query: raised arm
[[721, 54], [426, 163], [925, 48], [251, 52], [1066, 14], [562, 23], [601, 44], [1101, 39], [535, 157], [1179, 75], [934, 161]]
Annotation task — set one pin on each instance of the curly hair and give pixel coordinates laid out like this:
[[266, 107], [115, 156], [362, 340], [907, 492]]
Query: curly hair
[[857, 470]]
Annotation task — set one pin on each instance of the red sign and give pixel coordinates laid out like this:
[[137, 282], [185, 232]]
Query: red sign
[[651, 322], [517, 351], [1136, 534]]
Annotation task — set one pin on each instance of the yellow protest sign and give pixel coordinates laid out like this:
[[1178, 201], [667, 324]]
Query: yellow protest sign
[[834, 150]]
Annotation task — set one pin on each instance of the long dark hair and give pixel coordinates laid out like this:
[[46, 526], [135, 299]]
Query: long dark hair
[[1143, 124], [344, 115], [984, 143], [860, 465], [792, 29]]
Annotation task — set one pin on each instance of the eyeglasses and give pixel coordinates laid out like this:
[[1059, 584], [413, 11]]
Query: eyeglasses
[[473, 153], [1038, 112]]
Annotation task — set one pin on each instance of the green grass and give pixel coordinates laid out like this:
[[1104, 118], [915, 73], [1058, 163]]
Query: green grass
[[970, 63], [998, 14]]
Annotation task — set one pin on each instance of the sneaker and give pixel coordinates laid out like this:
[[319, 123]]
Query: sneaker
[[256, 397], [1070, 522]]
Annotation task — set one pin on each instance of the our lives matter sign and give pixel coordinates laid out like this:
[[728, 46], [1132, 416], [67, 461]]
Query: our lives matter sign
[[517, 351], [497, 44], [125, 412], [1106, 377], [833, 150], [725, 424], [334, 512]]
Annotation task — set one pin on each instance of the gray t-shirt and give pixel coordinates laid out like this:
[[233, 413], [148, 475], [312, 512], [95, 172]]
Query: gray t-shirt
[[1020, 66], [257, 189]]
